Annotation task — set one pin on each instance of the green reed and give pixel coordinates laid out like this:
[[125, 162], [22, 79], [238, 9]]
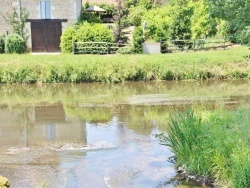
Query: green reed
[[214, 144]]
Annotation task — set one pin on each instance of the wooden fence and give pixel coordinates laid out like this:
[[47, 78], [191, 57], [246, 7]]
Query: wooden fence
[[99, 48], [170, 46]]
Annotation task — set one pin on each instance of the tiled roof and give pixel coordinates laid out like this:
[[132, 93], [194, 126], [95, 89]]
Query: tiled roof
[[100, 1]]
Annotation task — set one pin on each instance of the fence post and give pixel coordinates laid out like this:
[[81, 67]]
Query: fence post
[[73, 47], [107, 47], [194, 45], [224, 44], [160, 46]]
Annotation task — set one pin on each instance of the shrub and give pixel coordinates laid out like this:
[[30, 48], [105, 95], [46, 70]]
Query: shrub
[[138, 40], [124, 50], [94, 33], [90, 17], [14, 43], [85, 33], [244, 36], [135, 15], [67, 38], [2, 43]]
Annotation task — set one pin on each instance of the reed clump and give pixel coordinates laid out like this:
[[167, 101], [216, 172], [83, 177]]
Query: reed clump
[[214, 144]]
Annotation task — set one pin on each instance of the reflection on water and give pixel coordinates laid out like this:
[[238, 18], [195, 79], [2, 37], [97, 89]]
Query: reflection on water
[[96, 135]]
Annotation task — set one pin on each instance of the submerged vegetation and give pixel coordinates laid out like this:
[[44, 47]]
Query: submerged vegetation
[[227, 64], [212, 143]]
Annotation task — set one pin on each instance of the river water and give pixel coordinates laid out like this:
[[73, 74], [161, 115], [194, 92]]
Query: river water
[[99, 135]]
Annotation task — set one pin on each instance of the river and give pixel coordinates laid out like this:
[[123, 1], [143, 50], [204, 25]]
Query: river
[[99, 135]]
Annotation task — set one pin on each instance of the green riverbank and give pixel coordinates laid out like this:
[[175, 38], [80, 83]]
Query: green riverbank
[[219, 64], [212, 144]]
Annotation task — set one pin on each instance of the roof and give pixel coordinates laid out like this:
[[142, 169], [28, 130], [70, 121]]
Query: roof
[[100, 1]]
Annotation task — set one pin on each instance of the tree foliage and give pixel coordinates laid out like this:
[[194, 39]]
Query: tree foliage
[[235, 12], [181, 25], [158, 23], [202, 25]]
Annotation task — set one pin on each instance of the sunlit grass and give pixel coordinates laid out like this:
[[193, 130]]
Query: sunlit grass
[[219, 64], [213, 143]]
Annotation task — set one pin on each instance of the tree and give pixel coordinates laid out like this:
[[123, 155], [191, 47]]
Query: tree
[[181, 15], [118, 16], [235, 12], [202, 25], [159, 23]]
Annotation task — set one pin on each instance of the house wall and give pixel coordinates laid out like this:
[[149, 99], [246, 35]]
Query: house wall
[[60, 9], [6, 7]]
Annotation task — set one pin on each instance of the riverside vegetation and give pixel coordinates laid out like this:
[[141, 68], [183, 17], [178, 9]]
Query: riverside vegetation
[[219, 64], [214, 144]]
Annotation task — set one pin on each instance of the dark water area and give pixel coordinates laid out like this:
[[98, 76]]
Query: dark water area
[[99, 135]]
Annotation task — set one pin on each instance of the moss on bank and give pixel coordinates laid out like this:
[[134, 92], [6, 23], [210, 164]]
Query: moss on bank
[[227, 64], [4, 182]]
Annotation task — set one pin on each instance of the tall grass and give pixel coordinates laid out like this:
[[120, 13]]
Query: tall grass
[[118, 68], [214, 144]]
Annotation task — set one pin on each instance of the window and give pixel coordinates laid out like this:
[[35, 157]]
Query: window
[[45, 9]]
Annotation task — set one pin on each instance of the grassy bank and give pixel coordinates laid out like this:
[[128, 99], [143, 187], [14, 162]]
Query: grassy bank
[[223, 64], [214, 144]]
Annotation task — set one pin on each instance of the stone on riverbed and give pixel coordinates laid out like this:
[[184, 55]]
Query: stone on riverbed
[[4, 182]]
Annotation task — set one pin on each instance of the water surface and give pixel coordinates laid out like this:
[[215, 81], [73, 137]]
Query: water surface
[[99, 135]]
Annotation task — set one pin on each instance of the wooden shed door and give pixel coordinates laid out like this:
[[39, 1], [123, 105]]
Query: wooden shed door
[[45, 36]]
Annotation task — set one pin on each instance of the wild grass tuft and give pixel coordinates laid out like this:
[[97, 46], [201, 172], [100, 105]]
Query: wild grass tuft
[[214, 144]]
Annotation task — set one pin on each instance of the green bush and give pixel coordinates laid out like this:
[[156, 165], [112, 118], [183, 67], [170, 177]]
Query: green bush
[[244, 36], [67, 38], [85, 33], [124, 50], [90, 17], [14, 43], [135, 15], [2, 43], [93, 33], [138, 40]]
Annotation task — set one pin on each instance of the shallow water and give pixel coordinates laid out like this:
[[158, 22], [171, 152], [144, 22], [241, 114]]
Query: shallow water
[[99, 135]]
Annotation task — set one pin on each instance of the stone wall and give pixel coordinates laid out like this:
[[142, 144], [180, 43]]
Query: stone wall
[[60, 9], [6, 7]]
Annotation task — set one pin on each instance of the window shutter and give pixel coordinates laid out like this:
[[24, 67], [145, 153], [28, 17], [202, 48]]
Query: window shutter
[[43, 9], [47, 10]]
